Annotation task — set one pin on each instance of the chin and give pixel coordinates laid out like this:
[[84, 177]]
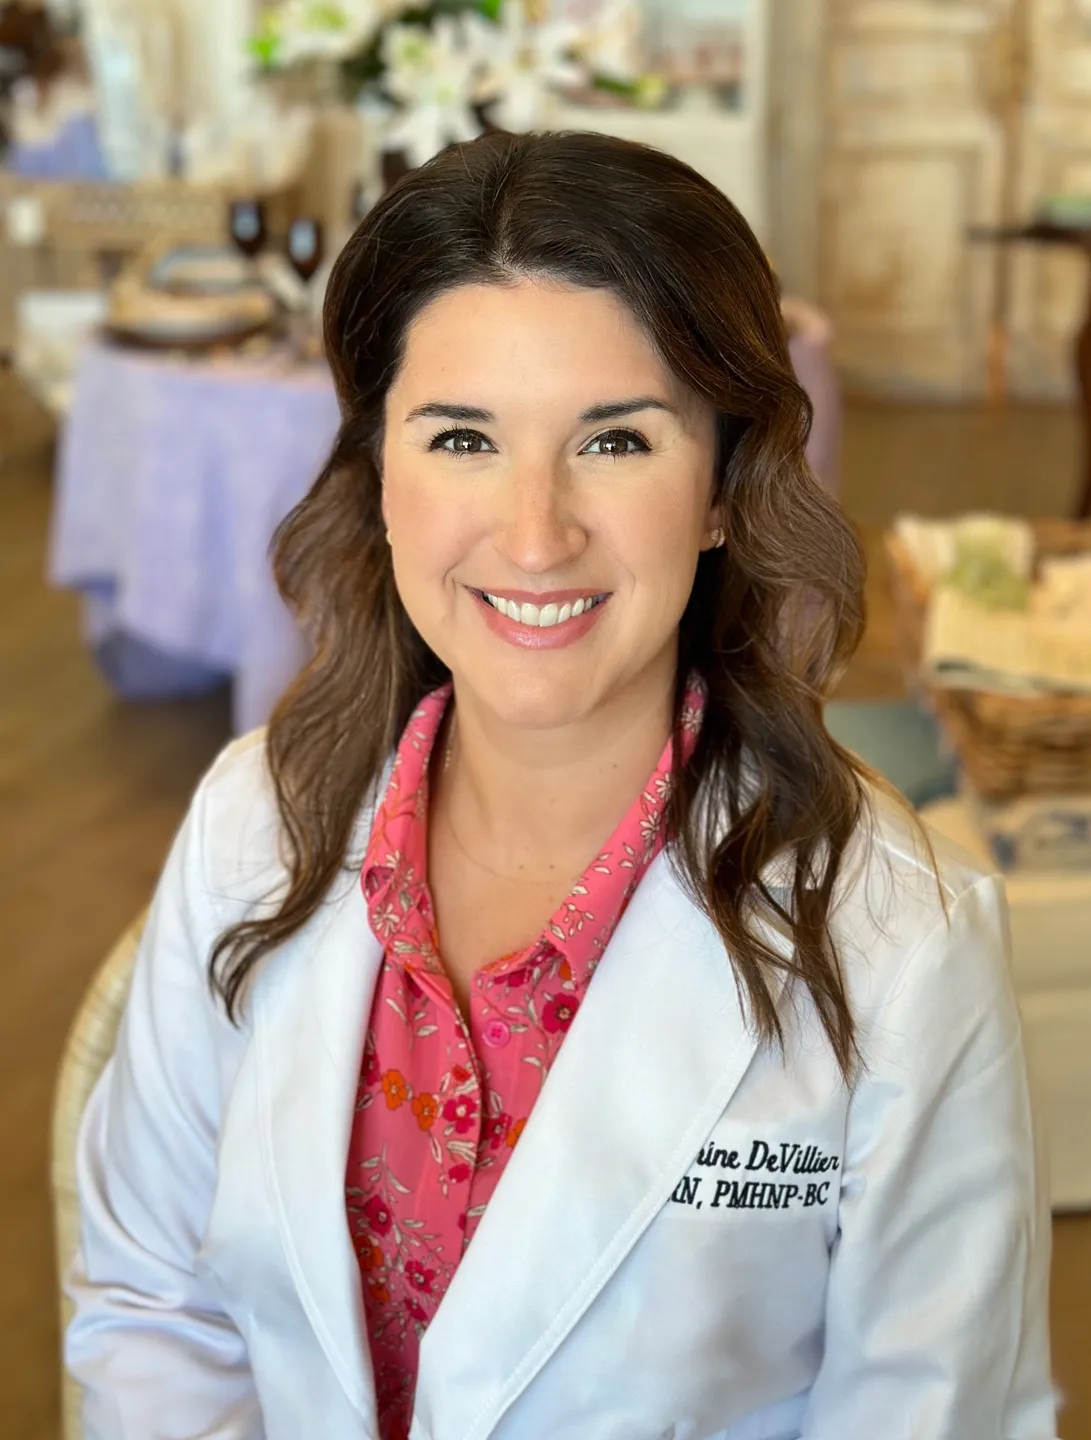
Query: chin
[[535, 693]]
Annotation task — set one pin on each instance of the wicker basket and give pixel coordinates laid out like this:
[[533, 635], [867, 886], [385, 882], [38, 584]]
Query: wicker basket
[[1008, 744]]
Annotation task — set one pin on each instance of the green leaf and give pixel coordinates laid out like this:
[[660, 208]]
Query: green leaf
[[264, 49], [264, 44]]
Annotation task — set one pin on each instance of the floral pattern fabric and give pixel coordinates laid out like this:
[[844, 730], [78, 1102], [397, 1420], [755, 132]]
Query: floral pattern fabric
[[443, 1100]]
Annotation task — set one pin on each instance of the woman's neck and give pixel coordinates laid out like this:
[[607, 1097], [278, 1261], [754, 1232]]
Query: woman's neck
[[530, 805]]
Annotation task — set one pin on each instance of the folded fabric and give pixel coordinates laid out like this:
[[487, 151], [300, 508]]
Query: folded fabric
[[968, 645]]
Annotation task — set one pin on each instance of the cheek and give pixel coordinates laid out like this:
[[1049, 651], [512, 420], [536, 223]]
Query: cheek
[[658, 538], [431, 526]]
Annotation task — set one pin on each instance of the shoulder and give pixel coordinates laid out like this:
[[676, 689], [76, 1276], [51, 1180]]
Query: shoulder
[[240, 833], [235, 815], [899, 866], [917, 916]]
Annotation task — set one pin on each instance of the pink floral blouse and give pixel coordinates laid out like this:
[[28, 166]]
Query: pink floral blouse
[[441, 1102]]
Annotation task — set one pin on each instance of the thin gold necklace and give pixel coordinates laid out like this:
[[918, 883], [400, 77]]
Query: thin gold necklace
[[478, 864], [450, 748]]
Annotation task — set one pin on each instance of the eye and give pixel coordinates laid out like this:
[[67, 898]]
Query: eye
[[462, 442], [617, 443]]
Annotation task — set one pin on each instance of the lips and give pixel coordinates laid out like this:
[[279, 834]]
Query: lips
[[543, 628]]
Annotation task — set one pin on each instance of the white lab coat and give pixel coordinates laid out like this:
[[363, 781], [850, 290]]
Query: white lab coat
[[695, 1238]]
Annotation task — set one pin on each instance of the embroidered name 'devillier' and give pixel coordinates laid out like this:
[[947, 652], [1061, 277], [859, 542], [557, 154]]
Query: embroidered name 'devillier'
[[787, 1158]]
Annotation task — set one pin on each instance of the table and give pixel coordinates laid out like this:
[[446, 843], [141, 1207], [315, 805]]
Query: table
[[1048, 232], [1051, 970], [172, 476], [73, 153]]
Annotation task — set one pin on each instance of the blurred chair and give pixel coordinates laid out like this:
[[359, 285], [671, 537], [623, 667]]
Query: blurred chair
[[810, 346], [89, 1046]]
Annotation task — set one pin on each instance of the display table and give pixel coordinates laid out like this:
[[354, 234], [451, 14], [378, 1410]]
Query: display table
[[73, 153], [172, 477], [1051, 963]]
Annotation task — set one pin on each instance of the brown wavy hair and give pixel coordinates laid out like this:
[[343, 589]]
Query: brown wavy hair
[[773, 615]]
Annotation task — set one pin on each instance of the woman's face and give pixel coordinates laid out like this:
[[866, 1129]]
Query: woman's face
[[547, 485]]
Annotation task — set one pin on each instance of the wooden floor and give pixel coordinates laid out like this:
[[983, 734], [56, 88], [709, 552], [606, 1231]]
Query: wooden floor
[[91, 791]]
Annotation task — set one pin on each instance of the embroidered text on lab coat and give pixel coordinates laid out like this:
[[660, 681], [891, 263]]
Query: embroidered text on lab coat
[[800, 1162]]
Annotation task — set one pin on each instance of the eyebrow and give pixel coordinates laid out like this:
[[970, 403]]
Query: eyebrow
[[611, 410], [447, 410]]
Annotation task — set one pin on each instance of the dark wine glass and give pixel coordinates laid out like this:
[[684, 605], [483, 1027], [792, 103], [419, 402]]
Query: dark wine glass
[[306, 247], [249, 227], [306, 250]]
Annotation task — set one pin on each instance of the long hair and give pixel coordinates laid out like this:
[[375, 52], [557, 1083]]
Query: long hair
[[773, 615]]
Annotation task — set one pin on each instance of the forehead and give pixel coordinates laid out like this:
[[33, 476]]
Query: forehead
[[551, 337]]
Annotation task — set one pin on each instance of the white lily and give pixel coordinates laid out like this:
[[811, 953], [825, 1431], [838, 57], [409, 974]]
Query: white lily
[[325, 29], [524, 62], [434, 75], [610, 34]]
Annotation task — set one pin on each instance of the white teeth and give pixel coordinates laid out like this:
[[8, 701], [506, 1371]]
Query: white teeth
[[539, 618]]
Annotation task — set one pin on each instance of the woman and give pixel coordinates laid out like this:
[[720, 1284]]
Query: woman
[[614, 1063]]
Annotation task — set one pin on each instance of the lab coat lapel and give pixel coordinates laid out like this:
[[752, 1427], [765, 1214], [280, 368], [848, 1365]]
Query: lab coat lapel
[[654, 1055], [310, 1029]]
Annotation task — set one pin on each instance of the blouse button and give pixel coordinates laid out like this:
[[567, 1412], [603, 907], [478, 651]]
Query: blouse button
[[496, 1034]]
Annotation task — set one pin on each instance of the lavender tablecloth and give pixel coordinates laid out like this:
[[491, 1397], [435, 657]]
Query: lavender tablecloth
[[74, 153], [172, 477]]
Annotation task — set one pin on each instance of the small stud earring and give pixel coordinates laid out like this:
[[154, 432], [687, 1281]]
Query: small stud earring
[[388, 539], [717, 537]]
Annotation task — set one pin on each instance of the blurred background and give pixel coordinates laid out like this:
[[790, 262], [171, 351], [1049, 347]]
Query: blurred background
[[177, 176]]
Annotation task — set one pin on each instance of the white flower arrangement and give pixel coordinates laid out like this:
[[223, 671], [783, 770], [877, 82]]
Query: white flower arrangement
[[432, 75], [320, 30], [523, 62], [442, 67]]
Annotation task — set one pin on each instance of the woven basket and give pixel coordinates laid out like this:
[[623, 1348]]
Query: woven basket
[[1008, 744]]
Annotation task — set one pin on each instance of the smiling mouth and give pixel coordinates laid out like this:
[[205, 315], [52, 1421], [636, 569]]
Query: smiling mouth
[[541, 617]]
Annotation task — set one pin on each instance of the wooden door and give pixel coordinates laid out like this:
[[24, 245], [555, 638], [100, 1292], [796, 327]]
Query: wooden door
[[914, 154]]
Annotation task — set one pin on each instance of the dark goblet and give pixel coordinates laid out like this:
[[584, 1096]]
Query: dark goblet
[[306, 247], [248, 227], [306, 250]]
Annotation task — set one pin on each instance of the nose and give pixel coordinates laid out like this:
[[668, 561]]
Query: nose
[[538, 530]]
